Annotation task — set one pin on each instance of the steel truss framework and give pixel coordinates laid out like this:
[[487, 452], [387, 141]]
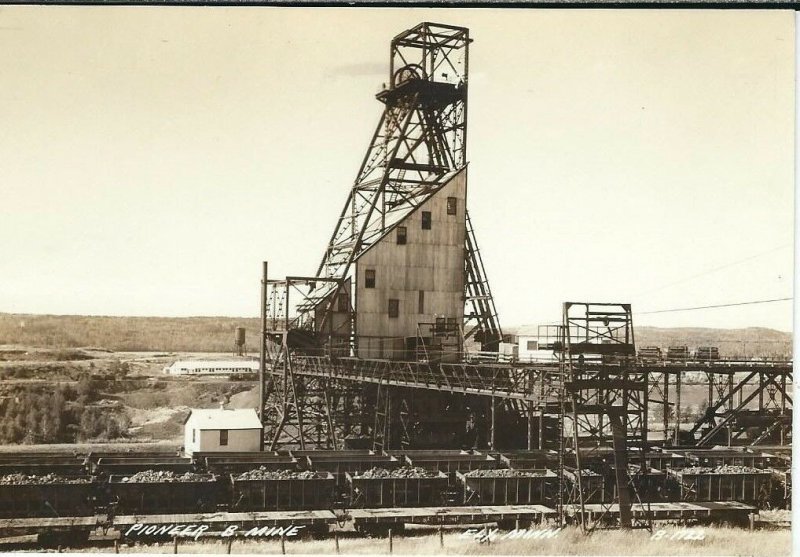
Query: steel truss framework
[[336, 396], [419, 143], [604, 409], [316, 401], [747, 402]]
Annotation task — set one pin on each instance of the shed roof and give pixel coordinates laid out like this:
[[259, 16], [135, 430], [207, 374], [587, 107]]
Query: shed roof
[[217, 418], [195, 364]]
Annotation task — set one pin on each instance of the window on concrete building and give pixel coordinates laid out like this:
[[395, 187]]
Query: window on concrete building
[[402, 235], [532, 345], [421, 302], [342, 302], [194, 436], [426, 220], [394, 307], [369, 278], [452, 205], [223, 437]]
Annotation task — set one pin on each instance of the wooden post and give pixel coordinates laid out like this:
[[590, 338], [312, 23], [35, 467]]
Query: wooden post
[[336, 541], [516, 524], [441, 536], [59, 549], [283, 544], [175, 544], [488, 541], [230, 544], [752, 517], [390, 540], [116, 546]]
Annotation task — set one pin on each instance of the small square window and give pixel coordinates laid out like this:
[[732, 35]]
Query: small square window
[[394, 307], [194, 436], [532, 345], [369, 278], [426, 220], [452, 204], [342, 302], [421, 302], [223, 437], [402, 235]]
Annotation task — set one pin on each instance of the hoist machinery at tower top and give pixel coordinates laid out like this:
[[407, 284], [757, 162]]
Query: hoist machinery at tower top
[[418, 144]]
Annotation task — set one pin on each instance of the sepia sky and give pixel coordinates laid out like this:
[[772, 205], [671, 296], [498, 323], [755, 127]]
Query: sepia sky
[[152, 157]]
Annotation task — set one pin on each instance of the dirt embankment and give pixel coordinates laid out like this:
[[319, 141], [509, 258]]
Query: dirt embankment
[[83, 393]]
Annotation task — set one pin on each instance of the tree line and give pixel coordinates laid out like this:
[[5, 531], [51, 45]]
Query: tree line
[[65, 414]]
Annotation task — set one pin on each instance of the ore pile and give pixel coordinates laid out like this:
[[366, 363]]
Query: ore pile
[[402, 472], [158, 476], [505, 473], [262, 473], [724, 469], [23, 479]]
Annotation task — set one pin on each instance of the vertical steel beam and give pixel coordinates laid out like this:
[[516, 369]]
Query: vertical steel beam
[[666, 405], [262, 362], [529, 412], [676, 440], [493, 426]]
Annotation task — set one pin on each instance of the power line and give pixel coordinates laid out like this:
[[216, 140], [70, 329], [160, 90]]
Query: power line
[[714, 269], [716, 306]]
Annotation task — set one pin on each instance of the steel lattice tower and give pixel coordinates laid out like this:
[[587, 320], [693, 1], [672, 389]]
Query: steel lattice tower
[[418, 147], [419, 144], [603, 415]]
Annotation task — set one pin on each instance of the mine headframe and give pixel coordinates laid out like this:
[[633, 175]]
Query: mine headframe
[[418, 144], [604, 414], [418, 147]]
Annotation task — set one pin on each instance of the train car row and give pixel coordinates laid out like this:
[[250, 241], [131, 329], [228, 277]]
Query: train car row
[[58, 485]]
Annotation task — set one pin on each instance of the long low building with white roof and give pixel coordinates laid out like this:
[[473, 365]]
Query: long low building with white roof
[[212, 367]]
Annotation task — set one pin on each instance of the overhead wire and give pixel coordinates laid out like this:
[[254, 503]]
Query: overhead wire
[[752, 302], [715, 269]]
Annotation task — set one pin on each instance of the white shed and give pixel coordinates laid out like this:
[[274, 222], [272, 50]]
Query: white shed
[[220, 430], [529, 350]]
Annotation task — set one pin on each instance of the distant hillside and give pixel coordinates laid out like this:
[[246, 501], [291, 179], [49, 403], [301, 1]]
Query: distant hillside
[[750, 342], [169, 334], [753, 341], [216, 334]]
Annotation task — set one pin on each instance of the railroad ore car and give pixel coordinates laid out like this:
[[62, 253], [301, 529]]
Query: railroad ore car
[[508, 487], [401, 487], [153, 492], [723, 483], [282, 490], [48, 495]]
